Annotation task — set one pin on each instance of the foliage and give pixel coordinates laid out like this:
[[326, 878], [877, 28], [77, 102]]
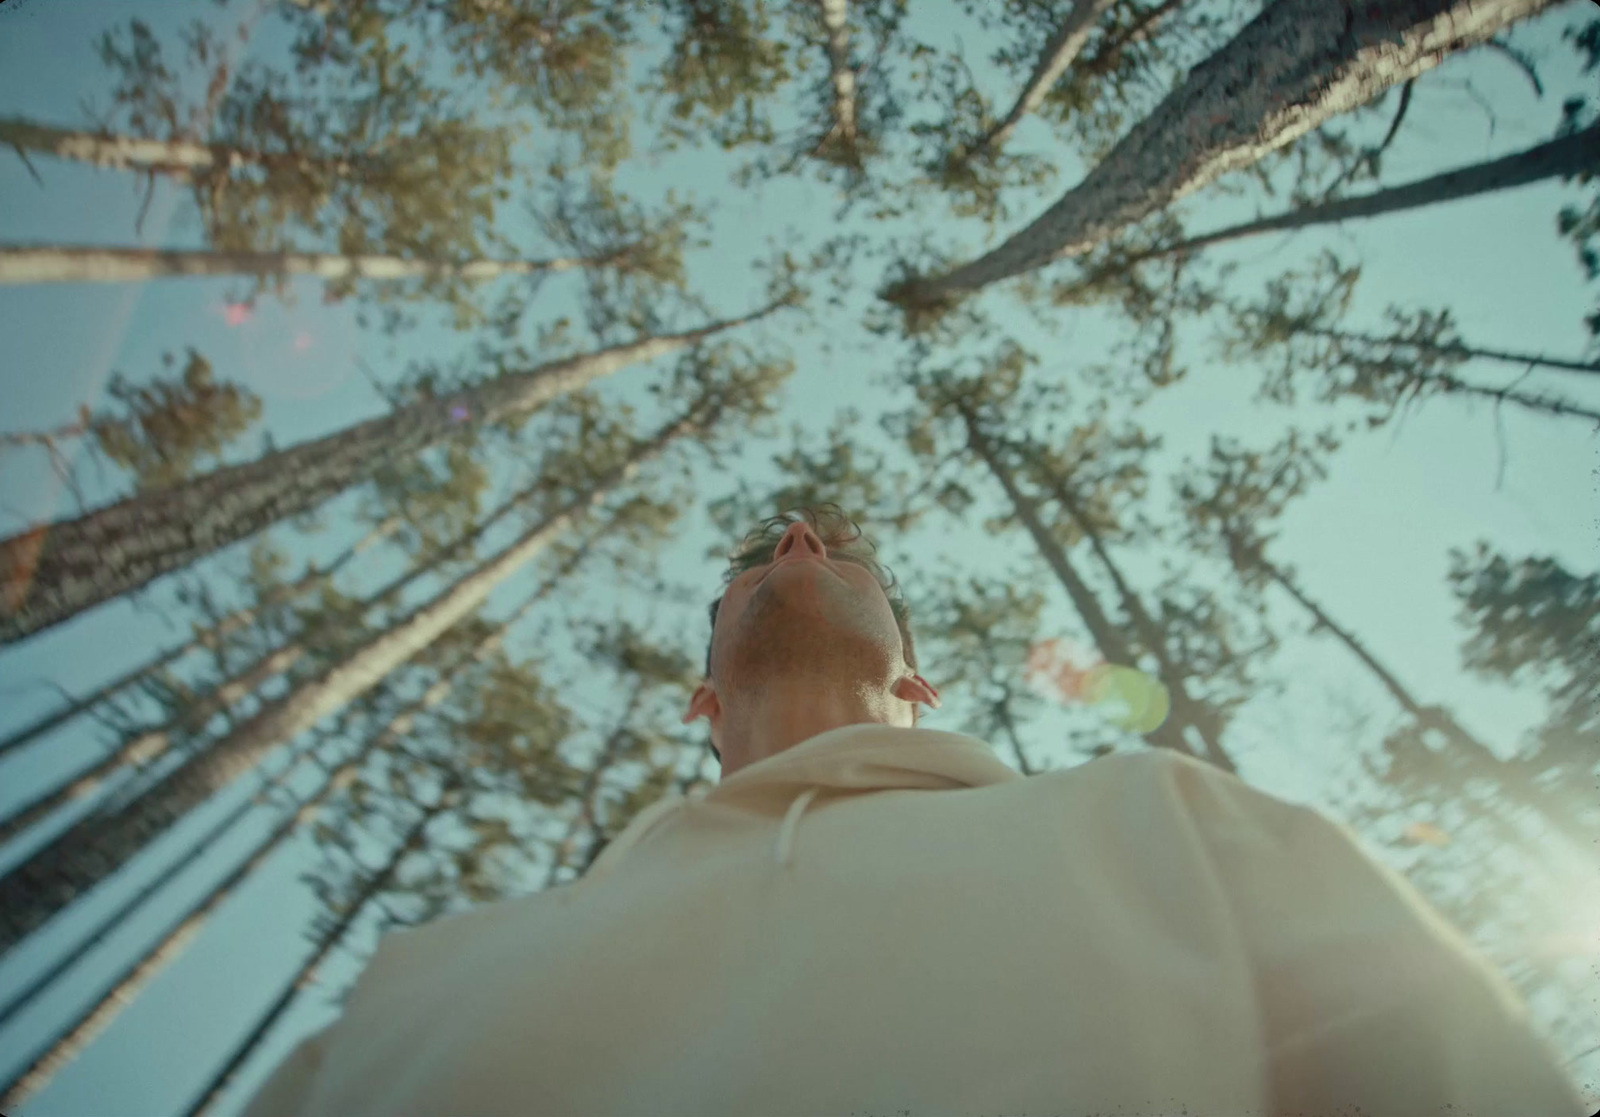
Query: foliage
[[162, 432]]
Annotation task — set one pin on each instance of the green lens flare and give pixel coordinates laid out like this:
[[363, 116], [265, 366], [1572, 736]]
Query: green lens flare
[[1137, 701]]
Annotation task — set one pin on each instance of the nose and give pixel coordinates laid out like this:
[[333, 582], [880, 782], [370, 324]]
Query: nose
[[800, 536]]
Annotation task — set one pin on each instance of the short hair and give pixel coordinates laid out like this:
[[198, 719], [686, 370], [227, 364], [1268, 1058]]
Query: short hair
[[838, 533]]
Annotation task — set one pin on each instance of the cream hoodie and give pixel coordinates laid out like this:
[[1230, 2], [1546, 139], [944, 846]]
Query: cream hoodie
[[890, 921]]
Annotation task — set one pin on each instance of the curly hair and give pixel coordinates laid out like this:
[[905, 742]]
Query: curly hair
[[838, 533]]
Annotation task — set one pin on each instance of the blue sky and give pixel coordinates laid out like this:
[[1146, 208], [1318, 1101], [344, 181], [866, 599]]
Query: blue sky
[[1370, 542]]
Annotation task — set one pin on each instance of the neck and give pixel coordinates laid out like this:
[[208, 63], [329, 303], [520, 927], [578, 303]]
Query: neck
[[781, 716]]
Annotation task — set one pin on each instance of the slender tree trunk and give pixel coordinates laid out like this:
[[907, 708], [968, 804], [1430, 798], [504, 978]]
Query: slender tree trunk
[[1186, 710], [179, 159], [54, 571], [142, 748], [1476, 756], [1568, 155], [308, 970], [584, 819], [116, 919], [207, 638], [836, 24], [1549, 405], [1110, 53], [1467, 352], [92, 850], [1002, 711], [56, 263], [67, 1047], [1059, 52], [1113, 646], [1297, 64]]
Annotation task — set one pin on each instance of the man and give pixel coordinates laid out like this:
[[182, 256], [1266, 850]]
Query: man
[[869, 917]]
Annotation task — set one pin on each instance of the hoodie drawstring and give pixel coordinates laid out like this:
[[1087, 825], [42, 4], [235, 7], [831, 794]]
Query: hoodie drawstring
[[791, 823]]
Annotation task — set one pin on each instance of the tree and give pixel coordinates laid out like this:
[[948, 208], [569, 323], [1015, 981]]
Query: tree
[[90, 851], [1296, 64], [1532, 620], [1298, 322], [57, 1053], [73, 264], [1059, 52], [1567, 156], [977, 407], [55, 571], [988, 631], [448, 797], [561, 58], [335, 615], [208, 636], [374, 165], [1228, 505], [721, 69]]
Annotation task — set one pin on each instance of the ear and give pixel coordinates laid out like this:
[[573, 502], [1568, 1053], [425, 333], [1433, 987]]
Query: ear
[[914, 688], [702, 704]]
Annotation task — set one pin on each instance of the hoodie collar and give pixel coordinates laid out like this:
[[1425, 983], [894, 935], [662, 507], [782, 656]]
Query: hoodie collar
[[850, 760]]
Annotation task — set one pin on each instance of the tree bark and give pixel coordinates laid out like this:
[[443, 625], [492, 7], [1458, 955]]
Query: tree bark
[[54, 571], [48, 263], [1568, 155], [207, 638], [835, 22], [142, 748], [92, 850], [1059, 52], [1298, 63], [1113, 646], [178, 159]]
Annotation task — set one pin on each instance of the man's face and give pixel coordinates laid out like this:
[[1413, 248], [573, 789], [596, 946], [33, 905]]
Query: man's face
[[805, 613]]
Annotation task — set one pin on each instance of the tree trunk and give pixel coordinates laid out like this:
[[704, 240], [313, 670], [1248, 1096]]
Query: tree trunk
[[92, 850], [207, 638], [146, 746], [1466, 352], [1002, 712], [1512, 777], [1297, 64], [142, 748], [835, 22], [116, 919], [1186, 710], [178, 159], [584, 819], [1569, 155], [54, 263], [1059, 53], [54, 571], [67, 1047], [1113, 646], [308, 971]]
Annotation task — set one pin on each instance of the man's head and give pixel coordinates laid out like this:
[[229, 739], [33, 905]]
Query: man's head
[[809, 631]]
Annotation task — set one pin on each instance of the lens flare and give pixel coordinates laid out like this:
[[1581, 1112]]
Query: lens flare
[[1129, 697]]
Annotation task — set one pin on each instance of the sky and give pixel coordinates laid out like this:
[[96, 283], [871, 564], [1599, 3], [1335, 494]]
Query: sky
[[1370, 543]]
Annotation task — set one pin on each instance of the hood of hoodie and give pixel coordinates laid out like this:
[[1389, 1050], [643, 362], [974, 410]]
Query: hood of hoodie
[[848, 761]]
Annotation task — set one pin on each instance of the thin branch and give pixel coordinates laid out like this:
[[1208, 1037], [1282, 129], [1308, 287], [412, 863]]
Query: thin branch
[[1369, 155], [28, 163], [1523, 62]]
